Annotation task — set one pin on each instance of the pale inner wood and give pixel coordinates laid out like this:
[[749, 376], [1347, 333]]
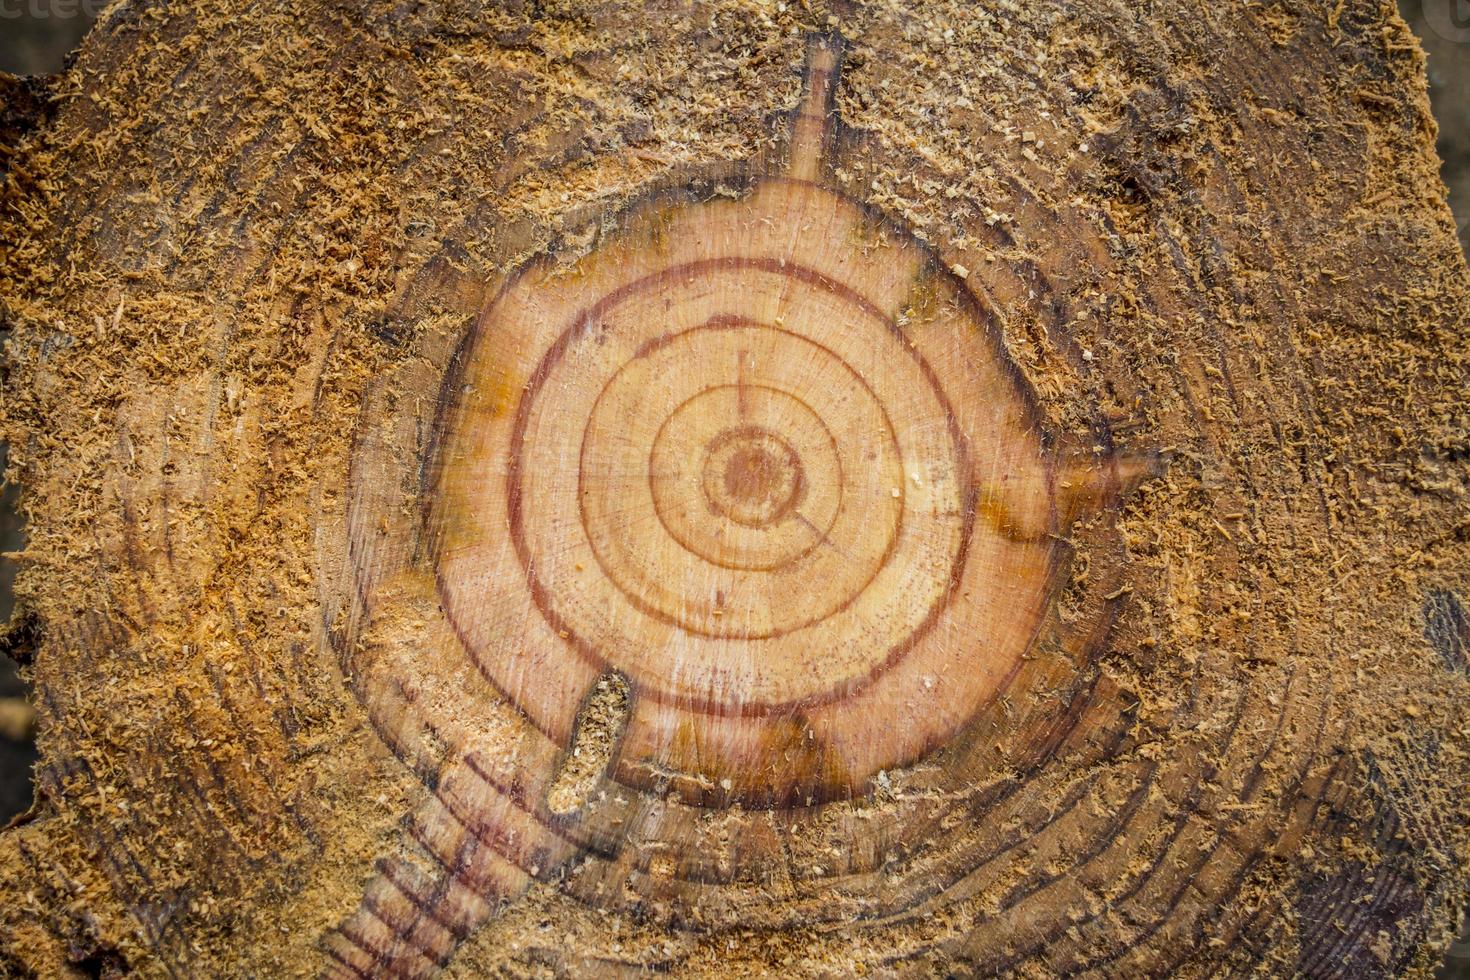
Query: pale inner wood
[[712, 460]]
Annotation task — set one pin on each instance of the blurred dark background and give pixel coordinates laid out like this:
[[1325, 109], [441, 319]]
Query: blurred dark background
[[1443, 27], [37, 36]]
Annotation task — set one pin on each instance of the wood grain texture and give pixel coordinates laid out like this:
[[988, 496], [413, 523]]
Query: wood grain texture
[[729, 488]]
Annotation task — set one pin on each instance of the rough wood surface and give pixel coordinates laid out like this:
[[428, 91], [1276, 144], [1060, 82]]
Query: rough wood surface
[[734, 487]]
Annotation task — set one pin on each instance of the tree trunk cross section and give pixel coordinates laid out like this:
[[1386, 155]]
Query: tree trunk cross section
[[725, 488]]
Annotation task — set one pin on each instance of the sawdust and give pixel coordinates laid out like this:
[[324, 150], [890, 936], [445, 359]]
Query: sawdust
[[222, 240]]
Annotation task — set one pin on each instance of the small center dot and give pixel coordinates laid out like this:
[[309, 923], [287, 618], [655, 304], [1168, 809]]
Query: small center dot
[[752, 476]]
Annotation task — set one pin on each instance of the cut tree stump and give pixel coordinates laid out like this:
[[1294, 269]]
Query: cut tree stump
[[731, 488]]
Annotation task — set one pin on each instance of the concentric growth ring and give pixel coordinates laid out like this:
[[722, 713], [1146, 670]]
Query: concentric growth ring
[[739, 459], [749, 481], [751, 475], [750, 501], [715, 579]]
